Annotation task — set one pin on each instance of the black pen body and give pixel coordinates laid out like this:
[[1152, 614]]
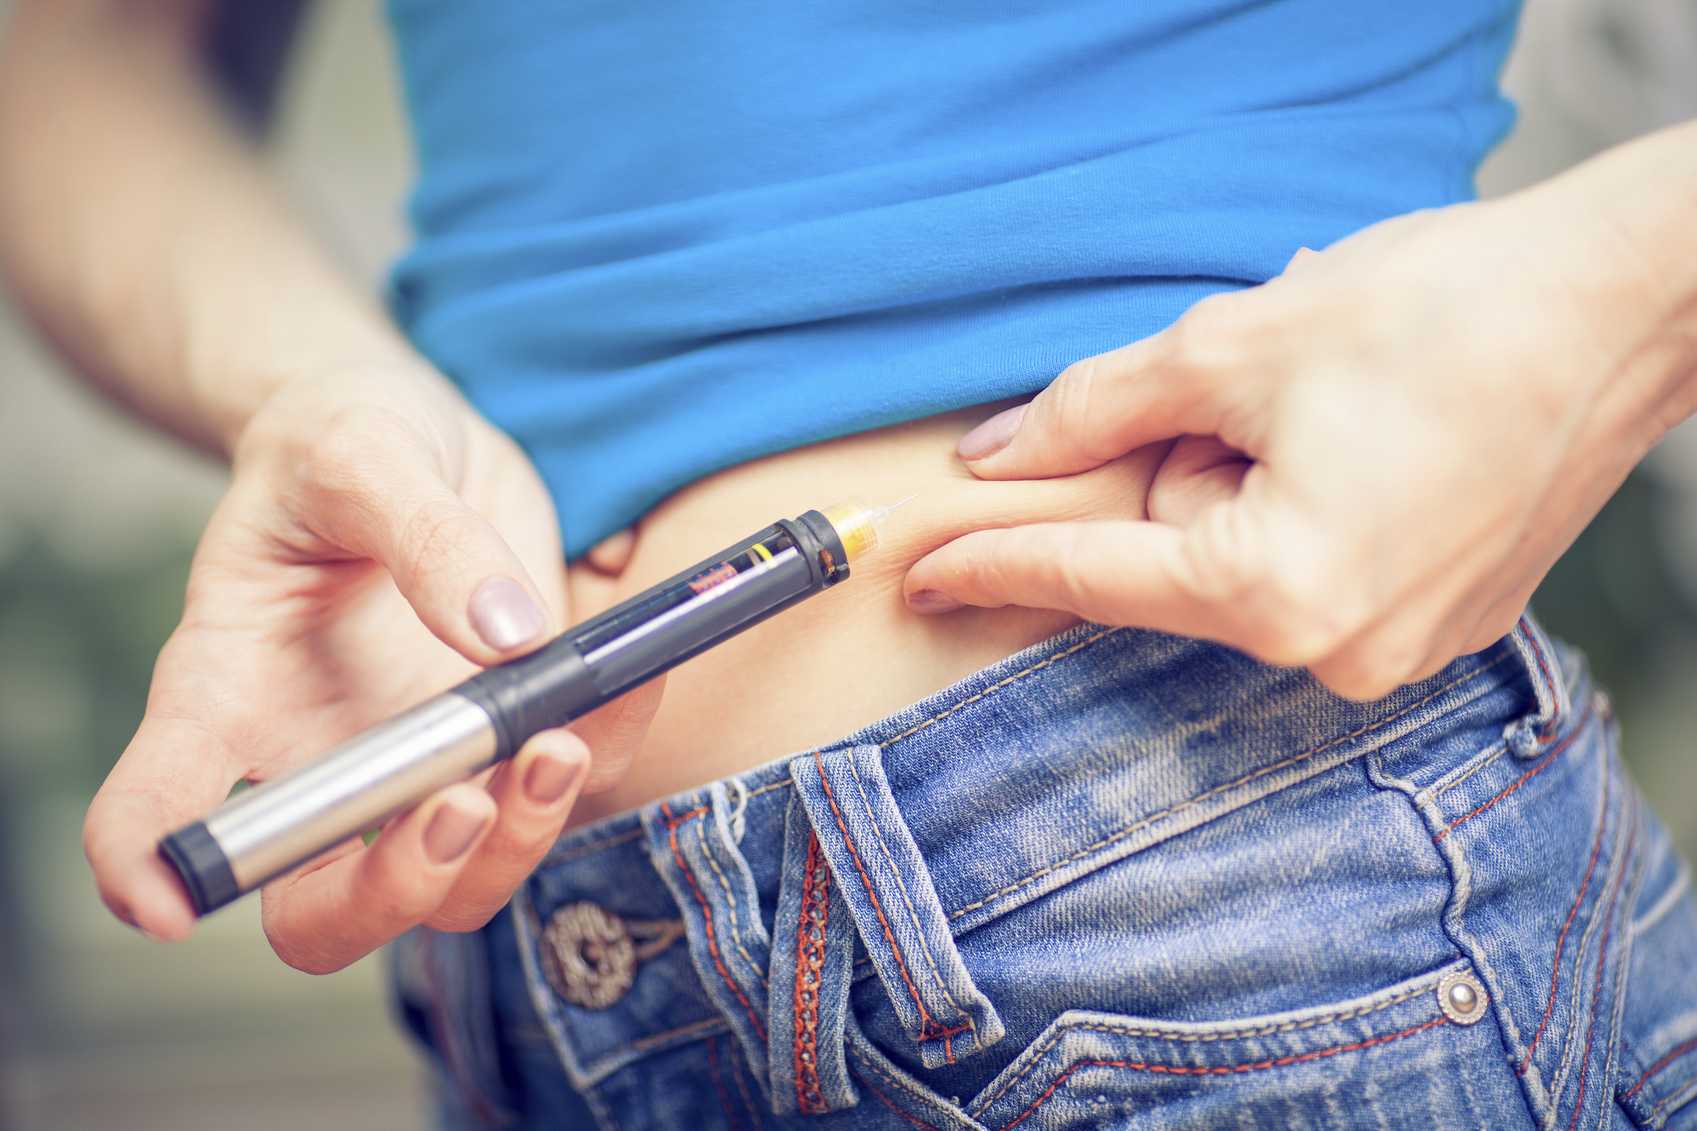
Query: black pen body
[[274, 827]]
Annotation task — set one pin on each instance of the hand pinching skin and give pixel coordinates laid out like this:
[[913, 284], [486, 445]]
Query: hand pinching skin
[[1372, 460]]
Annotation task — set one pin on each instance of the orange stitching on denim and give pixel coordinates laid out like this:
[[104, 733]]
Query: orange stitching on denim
[[748, 1104], [1485, 760], [907, 899], [1035, 1056], [1045, 662], [672, 824], [1561, 936], [1597, 980], [1678, 1051], [712, 1025], [1672, 1102], [1537, 768], [891, 1104], [719, 1084], [928, 1027], [809, 981], [1273, 768], [1224, 1069], [578, 852], [730, 904], [1562, 1060]]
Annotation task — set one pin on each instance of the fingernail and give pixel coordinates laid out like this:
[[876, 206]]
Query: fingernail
[[505, 614], [451, 832], [550, 776], [991, 436], [931, 601]]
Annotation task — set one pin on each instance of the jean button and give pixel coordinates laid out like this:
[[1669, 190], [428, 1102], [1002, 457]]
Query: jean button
[[1462, 997], [588, 955]]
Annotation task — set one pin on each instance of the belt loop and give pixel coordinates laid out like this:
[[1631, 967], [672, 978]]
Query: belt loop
[[812, 970], [1538, 656], [887, 890], [691, 846]]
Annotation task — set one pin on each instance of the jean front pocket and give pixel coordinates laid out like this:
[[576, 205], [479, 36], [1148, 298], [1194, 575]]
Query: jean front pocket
[[1414, 1054]]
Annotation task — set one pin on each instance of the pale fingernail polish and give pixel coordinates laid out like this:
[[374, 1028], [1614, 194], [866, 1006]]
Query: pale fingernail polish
[[451, 832], [991, 436], [550, 776], [931, 601], [504, 614]]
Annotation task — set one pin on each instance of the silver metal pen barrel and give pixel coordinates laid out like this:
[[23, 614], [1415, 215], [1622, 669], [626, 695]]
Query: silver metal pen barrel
[[263, 832], [278, 825]]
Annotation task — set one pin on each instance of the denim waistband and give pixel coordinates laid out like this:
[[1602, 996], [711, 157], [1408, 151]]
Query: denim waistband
[[752, 904]]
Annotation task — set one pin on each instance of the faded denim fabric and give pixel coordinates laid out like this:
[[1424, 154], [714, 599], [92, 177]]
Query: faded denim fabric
[[1119, 880]]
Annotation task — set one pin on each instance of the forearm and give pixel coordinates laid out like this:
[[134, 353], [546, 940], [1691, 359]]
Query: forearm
[[144, 235], [1634, 269]]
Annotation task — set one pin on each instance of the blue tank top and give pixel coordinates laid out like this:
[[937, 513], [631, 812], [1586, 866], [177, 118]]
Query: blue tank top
[[655, 240]]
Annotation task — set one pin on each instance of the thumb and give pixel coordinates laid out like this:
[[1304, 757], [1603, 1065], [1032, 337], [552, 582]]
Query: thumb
[[1100, 408], [174, 771], [450, 563]]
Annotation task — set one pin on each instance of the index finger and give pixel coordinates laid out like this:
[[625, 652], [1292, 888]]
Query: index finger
[[1250, 572], [1121, 572]]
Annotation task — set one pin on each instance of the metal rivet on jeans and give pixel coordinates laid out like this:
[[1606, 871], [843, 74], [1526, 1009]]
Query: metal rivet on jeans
[[1462, 997], [589, 955]]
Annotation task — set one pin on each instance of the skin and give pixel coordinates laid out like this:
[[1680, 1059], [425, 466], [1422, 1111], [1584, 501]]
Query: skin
[[338, 582], [346, 573], [1376, 457], [1272, 454]]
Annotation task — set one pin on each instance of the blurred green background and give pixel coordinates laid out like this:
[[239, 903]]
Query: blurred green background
[[98, 518]]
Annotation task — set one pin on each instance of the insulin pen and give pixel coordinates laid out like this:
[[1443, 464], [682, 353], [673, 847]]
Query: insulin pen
[[273, 827]]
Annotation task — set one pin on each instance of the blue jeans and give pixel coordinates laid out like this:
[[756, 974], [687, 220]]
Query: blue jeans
[[1117, 880]]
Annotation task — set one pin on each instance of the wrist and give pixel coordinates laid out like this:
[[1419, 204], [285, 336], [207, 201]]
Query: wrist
[[1616, 248], [361, 361]]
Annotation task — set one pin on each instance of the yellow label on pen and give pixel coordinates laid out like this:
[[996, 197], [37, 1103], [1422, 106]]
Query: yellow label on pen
[[760, 548]]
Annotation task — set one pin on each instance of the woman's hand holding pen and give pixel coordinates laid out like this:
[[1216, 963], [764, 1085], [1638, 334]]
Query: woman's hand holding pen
[[378, 542], [1375, 458]]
